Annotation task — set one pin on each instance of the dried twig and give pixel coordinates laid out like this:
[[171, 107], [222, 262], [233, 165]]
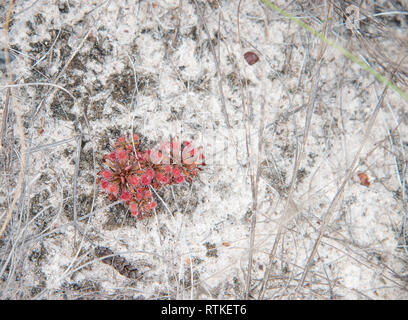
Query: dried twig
[[217, 63]]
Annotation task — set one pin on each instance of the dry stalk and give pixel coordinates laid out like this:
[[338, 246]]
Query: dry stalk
[[20, 126]]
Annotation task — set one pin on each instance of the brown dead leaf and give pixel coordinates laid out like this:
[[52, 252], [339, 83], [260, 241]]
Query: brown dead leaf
[[364, 179]]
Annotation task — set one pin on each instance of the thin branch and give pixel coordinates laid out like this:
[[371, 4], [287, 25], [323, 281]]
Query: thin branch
[[339, 192]]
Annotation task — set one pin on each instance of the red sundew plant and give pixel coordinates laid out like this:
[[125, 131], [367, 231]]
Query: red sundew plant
[[130, 173]]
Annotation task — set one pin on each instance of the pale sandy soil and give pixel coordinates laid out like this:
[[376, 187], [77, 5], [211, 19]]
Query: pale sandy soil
[[170, 68]]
